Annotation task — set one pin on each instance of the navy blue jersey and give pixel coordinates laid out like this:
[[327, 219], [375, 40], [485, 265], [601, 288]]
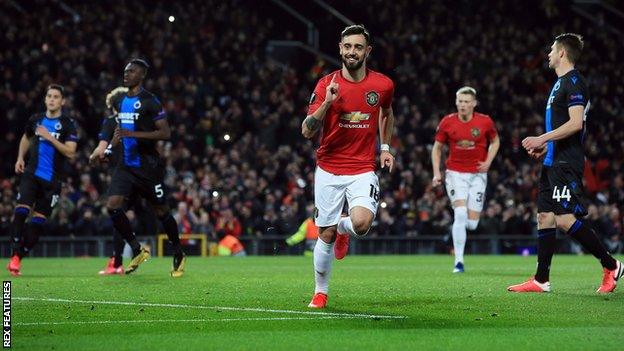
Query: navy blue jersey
[[569, 90], [106, 134], [44, 160], [108, 128], [138, 113]]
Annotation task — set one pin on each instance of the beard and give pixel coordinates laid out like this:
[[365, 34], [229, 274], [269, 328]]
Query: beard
[[53, 109], [352, 66], [553, 63]]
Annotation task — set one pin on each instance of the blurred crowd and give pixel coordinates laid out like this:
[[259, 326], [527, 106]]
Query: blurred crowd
[[237, 162]]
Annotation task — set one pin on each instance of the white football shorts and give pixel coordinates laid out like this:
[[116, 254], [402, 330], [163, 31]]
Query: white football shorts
[[331, 191], [467, 186]]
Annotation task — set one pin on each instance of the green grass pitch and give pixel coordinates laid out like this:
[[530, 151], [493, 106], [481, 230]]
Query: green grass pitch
[[259, 303]]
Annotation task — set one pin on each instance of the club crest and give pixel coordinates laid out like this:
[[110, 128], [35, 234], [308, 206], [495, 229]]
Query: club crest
[[475, 132], [372, 98]]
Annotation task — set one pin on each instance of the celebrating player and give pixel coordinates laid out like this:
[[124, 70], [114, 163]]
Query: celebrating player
[[473, 143], [561, 201], [141, 123], [49, 138], [351, 106]]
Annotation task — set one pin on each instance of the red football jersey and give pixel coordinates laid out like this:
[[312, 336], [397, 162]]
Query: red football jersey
[[468, 141], [351, 124]]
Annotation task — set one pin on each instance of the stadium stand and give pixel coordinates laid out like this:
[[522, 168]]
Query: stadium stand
[[236, 159]]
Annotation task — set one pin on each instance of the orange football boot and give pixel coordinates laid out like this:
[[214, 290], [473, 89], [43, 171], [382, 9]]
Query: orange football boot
[[319, 300], [610, 278], [530, 285]]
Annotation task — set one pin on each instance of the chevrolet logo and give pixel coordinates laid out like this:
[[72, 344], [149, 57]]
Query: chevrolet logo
[[465, 144], [355, 117]]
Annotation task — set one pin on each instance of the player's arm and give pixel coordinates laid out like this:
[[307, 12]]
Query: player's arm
[[577, 100], [98, 152], [67, 149], [162, 132], [572, 126], [313, 122], [100, 148], [105, 136], [386, 129], [436, 157], [24, 144], [492, 151]]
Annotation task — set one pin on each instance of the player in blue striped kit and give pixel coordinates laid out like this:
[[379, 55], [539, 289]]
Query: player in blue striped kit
[[141, 123], [49, 140]]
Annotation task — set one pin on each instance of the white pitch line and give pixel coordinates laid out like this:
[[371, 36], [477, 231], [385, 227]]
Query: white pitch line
[[225, 308], [182, 320]]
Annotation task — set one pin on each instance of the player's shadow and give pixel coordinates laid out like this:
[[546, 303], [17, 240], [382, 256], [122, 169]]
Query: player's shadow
[[413, 320], [521, 275], [589, 295]]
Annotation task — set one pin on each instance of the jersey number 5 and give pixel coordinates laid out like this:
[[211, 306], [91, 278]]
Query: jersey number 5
[[159, 191]]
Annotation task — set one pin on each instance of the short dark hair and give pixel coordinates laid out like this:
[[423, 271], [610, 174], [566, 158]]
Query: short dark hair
[[572, 43], [140, 62], [354, 30], [58, 87]]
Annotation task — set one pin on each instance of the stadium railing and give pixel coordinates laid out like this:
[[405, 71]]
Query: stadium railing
[[102, 246], [161, 239]]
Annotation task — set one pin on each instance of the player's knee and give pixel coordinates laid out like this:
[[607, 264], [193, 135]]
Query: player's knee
[[546, 220], [459, 203], [361, 226], [39, 215], [472, 224], [361, 231], [565, 222], [460, 214], [327, 234]]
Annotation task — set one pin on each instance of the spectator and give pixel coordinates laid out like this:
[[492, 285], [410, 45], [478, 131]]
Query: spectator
[[611, 229], [86, 225], [216, 78], [491, 223], [186, 219], [228, 224], [229, 245]]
